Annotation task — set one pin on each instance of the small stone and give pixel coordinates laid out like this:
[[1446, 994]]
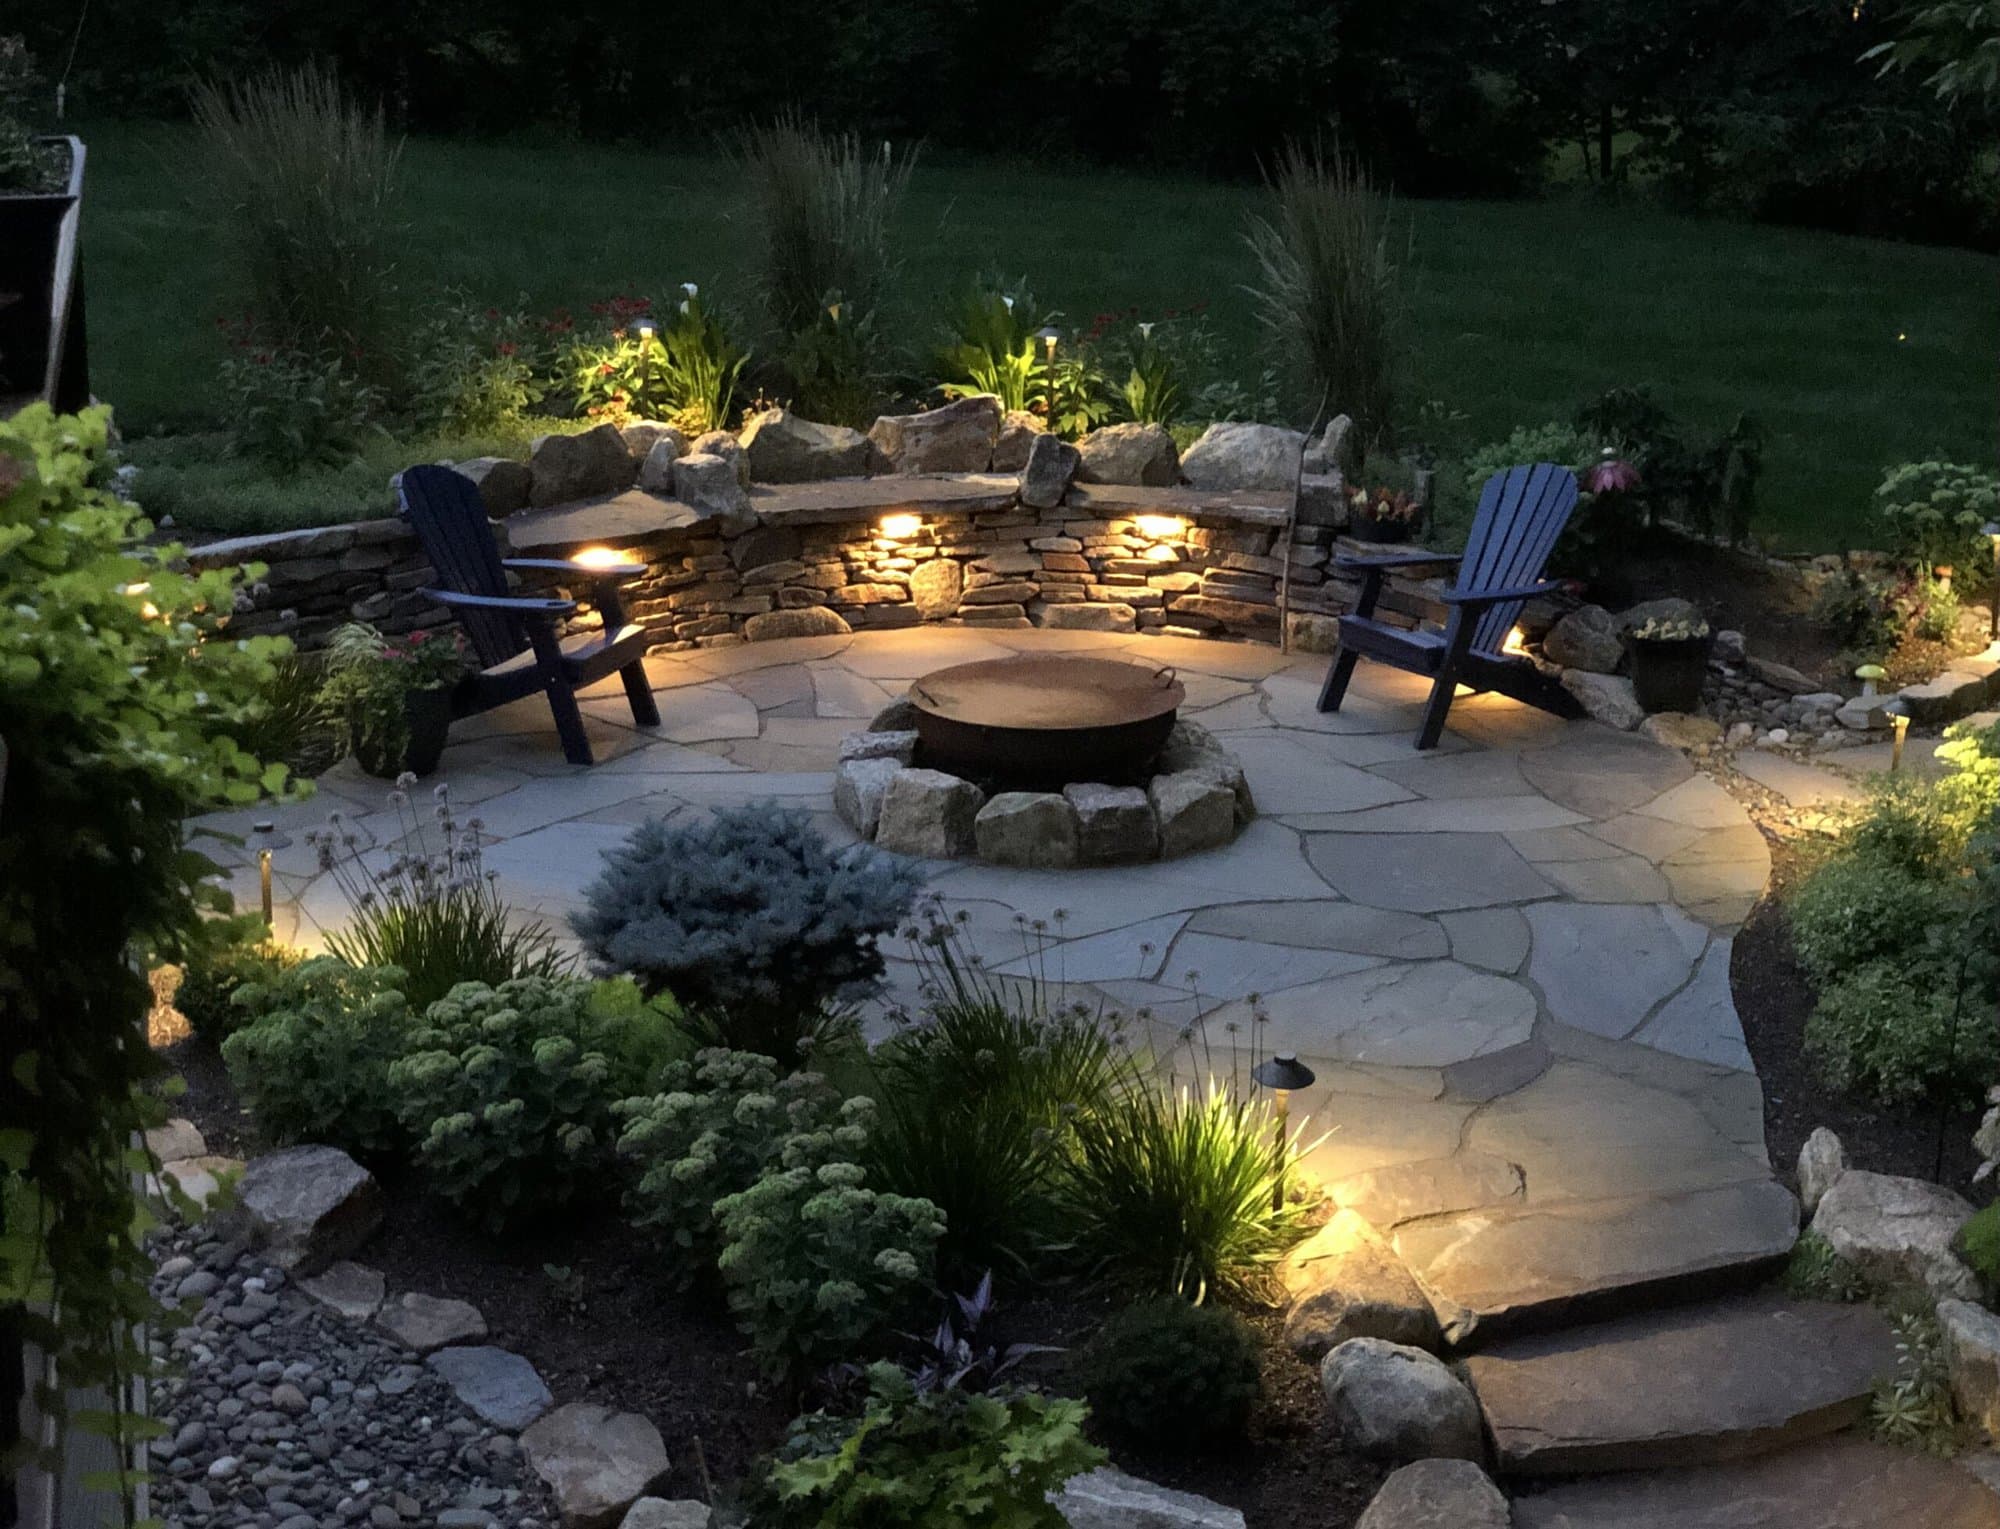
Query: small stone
[[1821, 1161], [287, 1397], [1437, 1494], [498, 1387], [1729, 647], [1781, 676], [1608, 698], [1739, 734], [1777, 737], [859, 788], [382, 1516], [198, 1286], [223, 1467], [1587, 638], [805, 621], [1019, 430], [656, 472], [353, 1290], [660, 1513], [900, 745], [1107, 1498], [596, 1462], [708, 484], [426, 1322], [1681, 730], [1391, 1400], [1194, 810], [929, 814], [720, 443], [1027, 828], [1136, 454], [1115, 824], [1897, 1230], [1347, 1282], [466, 1518], [935, 587], [175, 1140]]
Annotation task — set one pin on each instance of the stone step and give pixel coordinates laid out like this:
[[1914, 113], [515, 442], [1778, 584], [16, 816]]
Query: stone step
[[1697, 1385], [1838, 1483], [1498, 1271]]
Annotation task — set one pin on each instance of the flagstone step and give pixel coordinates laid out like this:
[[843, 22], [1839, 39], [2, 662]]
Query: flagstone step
[[1503, 1270], [1696, 1385], [1838, 1483]]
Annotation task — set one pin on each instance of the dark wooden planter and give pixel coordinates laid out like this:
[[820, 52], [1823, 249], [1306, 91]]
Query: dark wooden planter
[[1366, 528], [1667, 676], [428, 715], [42, 351]]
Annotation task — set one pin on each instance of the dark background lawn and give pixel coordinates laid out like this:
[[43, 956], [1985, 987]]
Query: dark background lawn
[[1853, 353]]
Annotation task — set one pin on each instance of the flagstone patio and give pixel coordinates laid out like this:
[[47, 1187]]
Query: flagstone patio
[[1508, 960]]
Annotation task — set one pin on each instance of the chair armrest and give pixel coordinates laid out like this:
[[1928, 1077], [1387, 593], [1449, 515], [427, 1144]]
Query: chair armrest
[[1495, 596], [617, 572], [1396, 560], [518, 605]]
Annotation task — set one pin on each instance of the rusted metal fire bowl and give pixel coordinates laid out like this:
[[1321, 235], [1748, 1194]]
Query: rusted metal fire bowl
[[1045, 721]]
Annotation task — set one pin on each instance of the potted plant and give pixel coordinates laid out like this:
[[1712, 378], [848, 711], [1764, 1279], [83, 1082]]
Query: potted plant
[[391, 697], [1382, 515], [41, 301], [1669, 662]]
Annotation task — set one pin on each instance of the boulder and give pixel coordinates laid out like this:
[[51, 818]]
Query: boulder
[[1312, 633], [426, 1322], [783, 448], [566, 467], [311, 1205], [708, 485], [1864, 714], [500, 1388], [660, 1513], [929, 814], [1091, 616], [859, 786], [1114, 823], [1681, 730], [1028, 828], [802, 621], [899, 716], [504, 484], [1194, 810], [958, 438], [935, 587], [1107, 1498], [1730, 647], [1340, 447], [175, 1140], [1781, 676], [1821, 1161], [1045, 477], [720, 443], [900, 745], [1192, 747], [646, 436], [656, 472], [1347, 1282], [1607, 697], [1437, 1494], [1972, 1358], [1587, 638], [1897, 1230], [1139, 454], [1235, 454], [1019, 430], [351, 1290], [596, 1462], [1393, 1401]]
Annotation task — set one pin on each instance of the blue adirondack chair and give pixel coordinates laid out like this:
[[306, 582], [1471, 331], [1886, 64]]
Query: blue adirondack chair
[[1521, 513], [514, 636]]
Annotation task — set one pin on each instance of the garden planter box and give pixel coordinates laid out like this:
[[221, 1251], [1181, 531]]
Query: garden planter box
[[1667, 676], [41, 292], [428, 715]]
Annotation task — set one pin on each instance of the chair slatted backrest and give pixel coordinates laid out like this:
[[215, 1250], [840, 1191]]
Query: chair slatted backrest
[[1521, 513], [449, 517]]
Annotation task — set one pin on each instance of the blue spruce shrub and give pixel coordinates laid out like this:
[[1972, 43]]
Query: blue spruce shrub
[[751, 920]]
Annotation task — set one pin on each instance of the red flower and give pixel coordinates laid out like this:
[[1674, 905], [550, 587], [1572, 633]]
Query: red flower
[[419, 635], [605, 369], [493, 313], [507, 348], [1610, 476]]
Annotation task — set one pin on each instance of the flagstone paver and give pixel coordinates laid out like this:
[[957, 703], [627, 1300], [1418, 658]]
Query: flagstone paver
[[1507, 960]]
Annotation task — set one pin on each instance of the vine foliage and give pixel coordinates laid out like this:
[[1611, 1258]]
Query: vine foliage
[[117, 699]]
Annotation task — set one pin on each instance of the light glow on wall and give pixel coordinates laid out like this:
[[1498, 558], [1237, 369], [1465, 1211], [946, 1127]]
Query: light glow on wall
[[604, 557], [1162, 527], [900, 528]]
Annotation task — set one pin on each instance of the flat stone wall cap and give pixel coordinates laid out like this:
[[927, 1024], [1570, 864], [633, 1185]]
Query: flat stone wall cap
[[1108, 1498], [612, 520], [1245, 506], [840, 501]]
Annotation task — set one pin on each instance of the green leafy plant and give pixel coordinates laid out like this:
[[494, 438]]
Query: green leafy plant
[[1328, 291], [1933, 512], [817, 1263], [1914, 1406], [508, 1093], [922, 1459], [1814, 1272], [367, 680], [25, 165], [1569, 445], [292, 410], [477, 370], [1978, 1244], [313, 1062], [835, 363], [431, 911], [1075, 397], [1859, 908], [1855, 611], [1174, 1192], [228, 954], [682, 368], [1155, 390], [990, 344], [1937, 610], [1898, 1033], [1164, 1373], [750, 919], [714, 1127]]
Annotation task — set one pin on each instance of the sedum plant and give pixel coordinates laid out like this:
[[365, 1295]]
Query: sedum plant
[[816, 1262], [313, 1064], [507, 1093], [717, 1123], [1933, 512], [751, 920]]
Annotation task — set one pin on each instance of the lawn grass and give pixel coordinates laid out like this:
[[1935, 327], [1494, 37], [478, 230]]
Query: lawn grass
[[1853, 353]]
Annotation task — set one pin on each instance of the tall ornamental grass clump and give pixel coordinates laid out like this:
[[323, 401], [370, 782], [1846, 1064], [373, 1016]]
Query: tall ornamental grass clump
[[303, 181], [1328, 290]]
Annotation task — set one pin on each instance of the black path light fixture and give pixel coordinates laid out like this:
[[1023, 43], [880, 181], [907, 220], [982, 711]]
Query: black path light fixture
[[264, 839], [1284, 1075]]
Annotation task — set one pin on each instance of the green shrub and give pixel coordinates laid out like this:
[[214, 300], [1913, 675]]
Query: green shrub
[[1166, 1373], [216, 969], [926, 1459], [476, 370], [508, 1094], [314, 1064], [1897, 1033], [816, 1262], [1933, 512], [1814, 1272], [750, 919], [1857, 613], [1328, 291], [292, 410], [716, 1124], [684, 371], [1174, 1193], [1856, 908], [990, 344], [1570, 445], [1979, 1245]]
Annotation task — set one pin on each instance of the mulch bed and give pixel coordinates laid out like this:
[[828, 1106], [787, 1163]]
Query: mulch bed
[[587, 1304]]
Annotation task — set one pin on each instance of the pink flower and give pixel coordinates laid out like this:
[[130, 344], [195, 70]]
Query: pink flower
[[1611, 476]]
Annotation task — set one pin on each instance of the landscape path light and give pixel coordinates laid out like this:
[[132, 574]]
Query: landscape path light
[[1283, 1074], [1899, 719], [264, 838], [645, 328]]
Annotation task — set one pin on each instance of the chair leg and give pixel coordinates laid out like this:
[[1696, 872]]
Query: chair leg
[[562, 696], [1439, 708], [639, 691], [1338, 673]]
